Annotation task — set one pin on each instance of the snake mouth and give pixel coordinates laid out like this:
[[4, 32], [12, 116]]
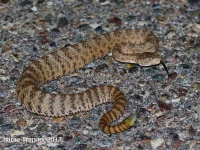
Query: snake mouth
[[162, 63]]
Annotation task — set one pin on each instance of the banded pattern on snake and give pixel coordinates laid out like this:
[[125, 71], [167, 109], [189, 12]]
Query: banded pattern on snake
[[133, 46]]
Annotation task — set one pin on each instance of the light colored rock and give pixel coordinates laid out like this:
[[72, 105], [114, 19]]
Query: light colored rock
[[175, 100], [85, 132], [155, 143], [4, 77], [16, 133], [34, 8]]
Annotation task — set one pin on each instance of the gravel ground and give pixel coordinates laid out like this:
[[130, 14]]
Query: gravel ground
[[168, 110]]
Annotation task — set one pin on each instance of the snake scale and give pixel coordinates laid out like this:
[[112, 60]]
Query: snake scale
[[129, 45]]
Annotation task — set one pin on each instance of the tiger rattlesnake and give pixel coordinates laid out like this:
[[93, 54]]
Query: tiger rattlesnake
[[134, 46]]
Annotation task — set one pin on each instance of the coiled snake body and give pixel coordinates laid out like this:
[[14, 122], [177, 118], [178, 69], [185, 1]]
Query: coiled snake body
[[133, 46]]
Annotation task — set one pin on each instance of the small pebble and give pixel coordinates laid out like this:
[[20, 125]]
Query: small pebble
[[136, 97], [15, 57], [42, 128], [182, 91], [99, 30], [164, 106], [171, 34], [164, 97], [17, 133], [59, 120], [177, 144], [172, 76], [196, 85], [115, 20], [34, 8], [141, 83], [62, 22], [145, 93], [21, 123], [85, 132], [175, 100], [155, 143]]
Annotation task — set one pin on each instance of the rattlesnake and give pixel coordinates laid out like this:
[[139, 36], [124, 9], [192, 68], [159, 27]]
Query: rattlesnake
[[134, 46]]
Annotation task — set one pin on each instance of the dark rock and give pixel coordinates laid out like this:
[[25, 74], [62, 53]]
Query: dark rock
[[14, 73], [193, 2], [62, 22], [133, 69], [192, 132], [99, 30], [164, 106], [116, 21], [40, 1], [25, 3], [101, 67], [172, 76], [136, 97], [4, 1], [54, 32], [52, 44], [1, 120], [8, 18], [131, 18], [182, 92], [48, 18], [158, 77], [184, 66], [156, 6], [6, 127], [84, 27], [174, 136], [152, 70]]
